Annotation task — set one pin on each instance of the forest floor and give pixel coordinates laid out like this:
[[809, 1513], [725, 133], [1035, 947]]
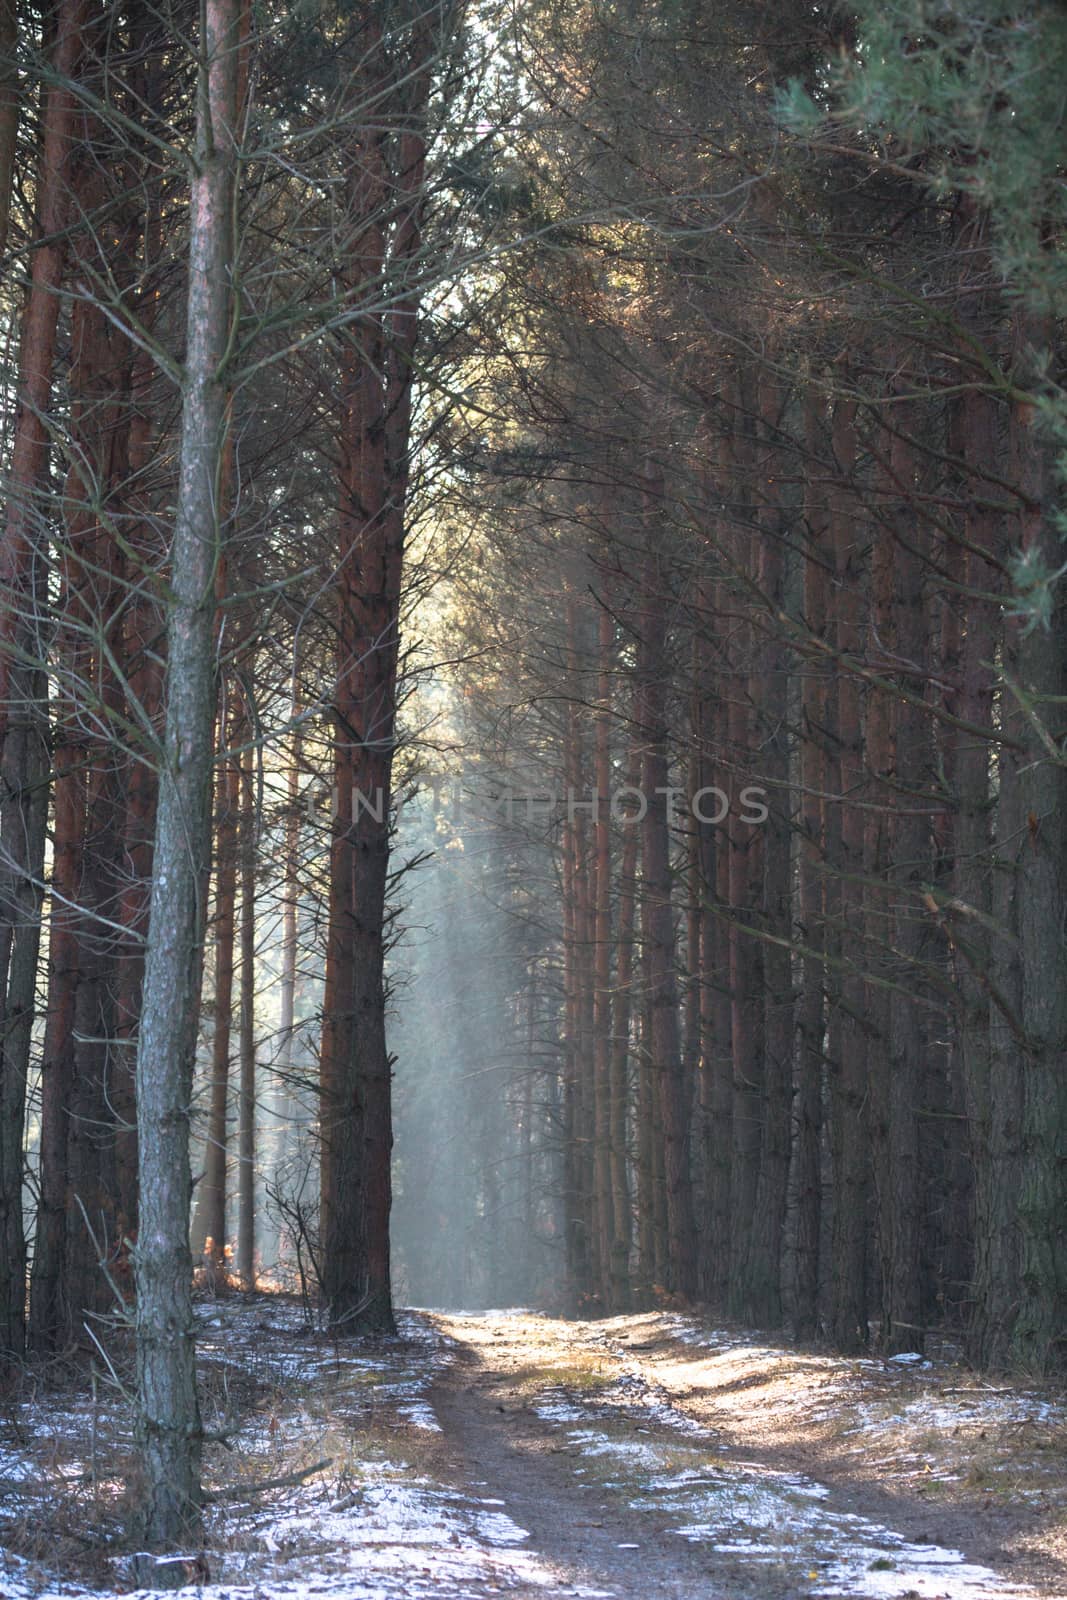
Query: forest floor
[[508, 1453]]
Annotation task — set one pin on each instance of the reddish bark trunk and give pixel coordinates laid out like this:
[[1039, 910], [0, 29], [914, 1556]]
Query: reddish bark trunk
[[906, 637], [24, 761], [356, 1068]]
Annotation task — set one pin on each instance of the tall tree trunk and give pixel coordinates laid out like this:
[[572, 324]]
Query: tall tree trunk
[[901, 1200], [285, 1104], [209, 1221], [621, 1025], [355, 1065], [1036, 669], [87, 1210], [246, 1096], [142, 651], [50, 1318], [878, 827], [703, 929], [762, 1287], [586, 1106], [648, 1274], [716, 1024], [815, 786], [66, 1115], [168, 1421], [100, 473], [746, 877], [24, 762], [613, 1292], [665, 1043], [575, 1240], [995, 1269], [849, 1032]]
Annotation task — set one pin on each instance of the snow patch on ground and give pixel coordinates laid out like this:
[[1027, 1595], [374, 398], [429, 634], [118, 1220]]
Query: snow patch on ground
[[365, 1526], [376, 1525], [936, 1412], [558, 1410], [768, 1519], [421, 1414], [783, 1520], [896, 1569]]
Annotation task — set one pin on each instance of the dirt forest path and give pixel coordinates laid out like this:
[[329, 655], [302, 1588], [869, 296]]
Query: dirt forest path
[[582, 1533], [476, 1455], [644, 1465]]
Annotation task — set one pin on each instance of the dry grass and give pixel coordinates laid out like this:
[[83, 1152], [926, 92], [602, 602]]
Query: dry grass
[[987, 1460], [67, 1432]]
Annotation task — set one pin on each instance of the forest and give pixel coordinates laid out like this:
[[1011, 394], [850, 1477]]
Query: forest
[[533, 797]]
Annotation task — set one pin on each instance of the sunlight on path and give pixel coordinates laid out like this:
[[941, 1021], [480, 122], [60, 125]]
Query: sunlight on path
[[637, 1442], [375, 1524]]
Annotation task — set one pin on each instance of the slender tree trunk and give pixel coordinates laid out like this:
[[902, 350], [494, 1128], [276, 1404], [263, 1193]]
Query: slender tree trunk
[[103, 360], [169, 1430], [665, 1043], [762, 1288], [574, 1231], [699, 856], [24, 761], [1036, 670], [583, 984], [67, 1119], [612, 1291], [999, 1248], [995, 1268], [209, 1222], [142, 651], [621, 1023], [746, 876], [246, 1098], [703, 928], [878, 828], [527, 1206], [715, 958], [285, 1105], [849, 1030], [910, 871], [50, 1319], [649, 1279], [815, 785], [355, 1064]]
